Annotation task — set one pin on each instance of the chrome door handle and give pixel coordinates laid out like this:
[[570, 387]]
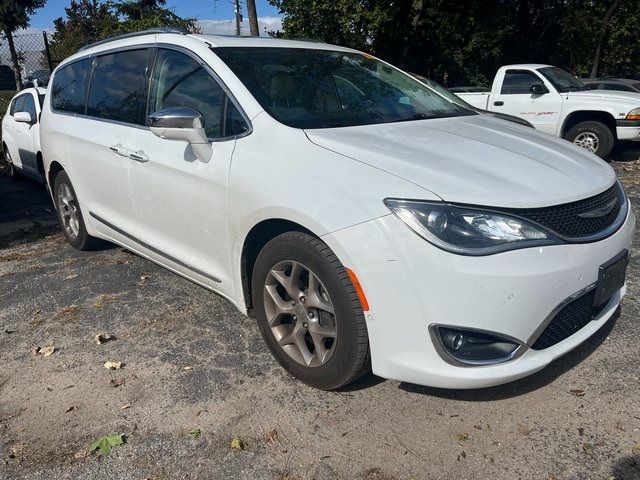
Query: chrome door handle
[[138, 156]]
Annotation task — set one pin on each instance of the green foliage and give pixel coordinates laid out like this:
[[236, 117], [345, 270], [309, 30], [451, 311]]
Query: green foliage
[[467, 40], [15, 14], [105, 444], [87, 21]]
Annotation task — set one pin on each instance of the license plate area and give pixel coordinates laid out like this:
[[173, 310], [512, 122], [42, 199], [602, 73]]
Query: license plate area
[[611, 277]]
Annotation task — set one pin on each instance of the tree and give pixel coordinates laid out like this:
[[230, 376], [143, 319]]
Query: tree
[[144, 14], [601, 39], [14, 14]]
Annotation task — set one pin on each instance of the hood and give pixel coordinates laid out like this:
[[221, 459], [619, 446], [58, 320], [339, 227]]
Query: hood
[[475, 160], [632, 99]]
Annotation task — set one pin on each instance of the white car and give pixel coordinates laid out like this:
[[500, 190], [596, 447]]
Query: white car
[[21, 134], [556, 102], [363, 218]]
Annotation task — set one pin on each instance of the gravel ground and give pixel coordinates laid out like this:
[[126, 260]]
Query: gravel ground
[[196, 378]]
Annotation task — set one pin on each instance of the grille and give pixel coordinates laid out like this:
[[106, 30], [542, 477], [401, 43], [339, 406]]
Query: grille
[[564, 219], [571, 318]]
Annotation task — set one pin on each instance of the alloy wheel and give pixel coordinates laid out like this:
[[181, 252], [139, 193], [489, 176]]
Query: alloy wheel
[[588, 141], [300, 313], [68, 208]]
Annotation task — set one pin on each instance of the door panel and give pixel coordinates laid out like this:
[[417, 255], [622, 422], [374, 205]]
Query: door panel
[[182, 201], [515, 98], [26, 137]]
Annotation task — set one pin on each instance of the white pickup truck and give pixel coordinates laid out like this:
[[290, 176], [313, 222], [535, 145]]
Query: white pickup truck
[[556, 102]]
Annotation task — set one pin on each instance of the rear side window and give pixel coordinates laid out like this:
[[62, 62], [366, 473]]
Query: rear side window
[[518, 82], [69, 87], [117, 89]]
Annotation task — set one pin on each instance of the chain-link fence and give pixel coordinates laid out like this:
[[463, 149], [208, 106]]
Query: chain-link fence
[[35, 56]]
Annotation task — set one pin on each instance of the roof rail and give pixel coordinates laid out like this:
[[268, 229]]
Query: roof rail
[[181, 31]]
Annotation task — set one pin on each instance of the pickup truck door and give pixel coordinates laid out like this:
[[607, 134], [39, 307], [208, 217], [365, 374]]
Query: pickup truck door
[[514, 97]]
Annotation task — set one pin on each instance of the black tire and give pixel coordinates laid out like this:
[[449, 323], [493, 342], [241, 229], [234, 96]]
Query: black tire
[[81, 241], [13, 172], [605, 139], [350, 358]]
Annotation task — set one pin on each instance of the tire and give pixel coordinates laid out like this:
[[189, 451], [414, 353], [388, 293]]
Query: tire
[[13, 171], [70, 214], [338, 358], [595, 137]]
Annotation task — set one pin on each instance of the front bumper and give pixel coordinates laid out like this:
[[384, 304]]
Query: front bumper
[[410, 284], [628, 130]]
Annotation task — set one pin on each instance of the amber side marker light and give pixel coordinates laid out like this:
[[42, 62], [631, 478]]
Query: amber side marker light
[[359, 290], [633, 114]]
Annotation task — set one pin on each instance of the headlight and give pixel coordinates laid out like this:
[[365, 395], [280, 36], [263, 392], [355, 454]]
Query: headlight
[[468, 231], [633, 114]]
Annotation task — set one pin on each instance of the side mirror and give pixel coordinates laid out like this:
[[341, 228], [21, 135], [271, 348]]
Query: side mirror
[[185, 125], [538, 88], [23, 117]]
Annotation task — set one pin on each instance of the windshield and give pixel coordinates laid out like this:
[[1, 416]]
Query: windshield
[[561, 80], [309, 88], [452, 97]]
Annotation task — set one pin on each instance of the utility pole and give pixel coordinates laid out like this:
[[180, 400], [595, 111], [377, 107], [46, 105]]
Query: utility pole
[[238, 17], [253, 18]]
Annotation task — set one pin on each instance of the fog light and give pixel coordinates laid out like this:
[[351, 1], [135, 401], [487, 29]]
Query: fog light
[[473, 347]]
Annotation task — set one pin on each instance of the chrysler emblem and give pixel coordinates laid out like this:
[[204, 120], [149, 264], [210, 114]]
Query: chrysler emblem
[[600, 212]]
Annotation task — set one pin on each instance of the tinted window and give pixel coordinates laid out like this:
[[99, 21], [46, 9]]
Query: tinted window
[[518, 82], [118, 85], [29, 106], [180, 81], [617, 86], [69, 88], [235, 123], [17, 104]]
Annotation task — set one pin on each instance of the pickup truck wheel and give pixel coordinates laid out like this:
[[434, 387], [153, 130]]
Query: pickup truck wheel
[[595, 137], [70, 214], [308, 311]]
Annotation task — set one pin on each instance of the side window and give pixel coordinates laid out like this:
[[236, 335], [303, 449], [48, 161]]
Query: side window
[[17, 105], [30, 106], [235, 123], [69, 88], [117, 89], [180, 81], [518, 82]]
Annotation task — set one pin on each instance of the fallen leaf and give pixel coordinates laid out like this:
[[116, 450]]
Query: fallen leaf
[[71, 277], [463, 436], [195, 433], [44, 351], [124, 407], [237, 444], [103, 337], [71, 408], [116, 382], [105, 444], [577, 392], [113, 365], [588, 448], [188, 368], [272, 436], [80, 454]]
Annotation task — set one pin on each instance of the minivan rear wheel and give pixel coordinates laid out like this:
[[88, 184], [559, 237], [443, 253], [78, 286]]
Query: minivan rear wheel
[[70, 214], [308, 311]]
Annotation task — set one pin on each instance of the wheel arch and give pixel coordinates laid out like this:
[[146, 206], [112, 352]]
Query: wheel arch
[[54, 169], [580, 116], [259, 235]]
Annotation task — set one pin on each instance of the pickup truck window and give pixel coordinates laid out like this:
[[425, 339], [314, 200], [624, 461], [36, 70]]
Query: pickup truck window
[[562, 81], [517, 82], [309, 88]]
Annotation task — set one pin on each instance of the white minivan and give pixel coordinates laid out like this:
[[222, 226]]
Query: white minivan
[[364, 219]]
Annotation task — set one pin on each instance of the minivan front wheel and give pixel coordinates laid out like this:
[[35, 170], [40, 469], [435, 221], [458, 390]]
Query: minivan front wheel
[[308, 311], [70, 214]]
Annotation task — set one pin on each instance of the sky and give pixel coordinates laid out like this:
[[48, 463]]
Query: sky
[[216, 16]]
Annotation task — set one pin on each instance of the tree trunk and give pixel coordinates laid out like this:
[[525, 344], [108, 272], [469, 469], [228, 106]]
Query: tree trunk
[[14, 58], [603, 33], [253, 18], [416, 12]]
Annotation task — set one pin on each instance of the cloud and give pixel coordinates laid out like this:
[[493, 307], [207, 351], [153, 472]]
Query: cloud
[[228, 27]]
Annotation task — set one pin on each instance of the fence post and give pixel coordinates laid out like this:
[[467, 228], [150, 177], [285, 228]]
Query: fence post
[[47, 51]]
